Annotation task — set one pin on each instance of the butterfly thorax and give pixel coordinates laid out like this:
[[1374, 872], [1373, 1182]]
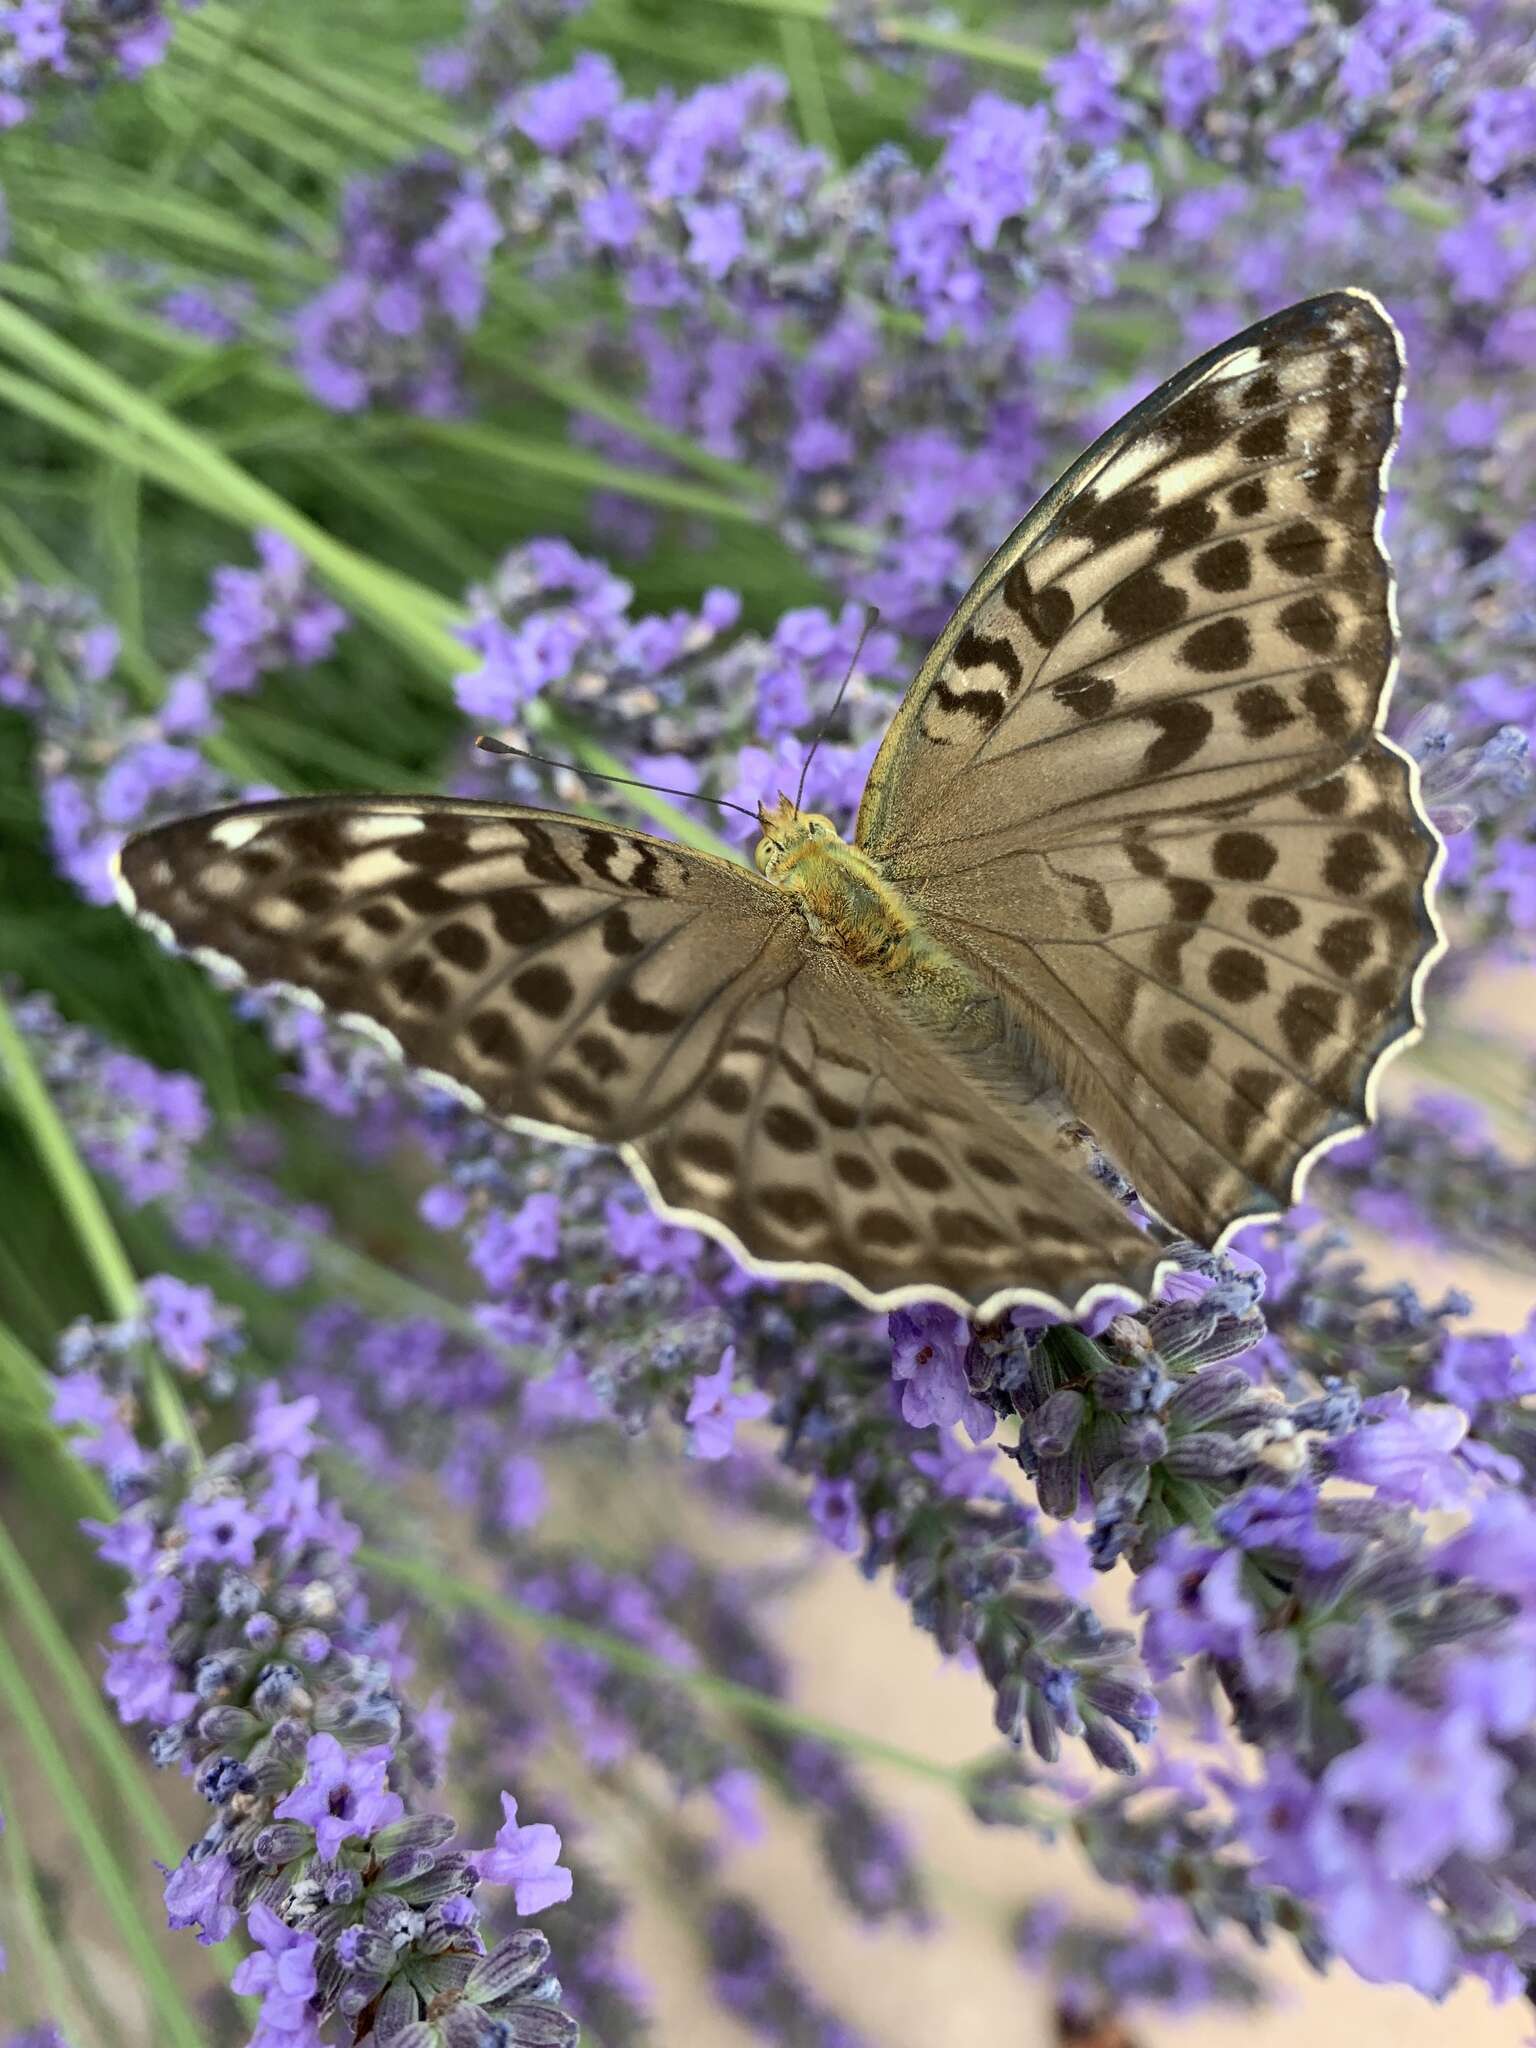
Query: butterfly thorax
[[841, 893]]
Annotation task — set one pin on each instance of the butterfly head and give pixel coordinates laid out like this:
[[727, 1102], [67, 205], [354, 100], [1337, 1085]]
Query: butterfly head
[[787, 832]]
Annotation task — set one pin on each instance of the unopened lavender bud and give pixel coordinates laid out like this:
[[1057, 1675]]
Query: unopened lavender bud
[[415, 1831], [167, 1746], [1008, 1707], [1207, 1395], [359, 1949], [227, 1727], [395, 2024], [1132, 1706], [1106, 1747], [405, 1866], [360, 1727], [1053, 1427], [1209, 1456], [445, 1876], [354, 1995], [1133, 1389], [239, 1595], [1044, 1737], [389, 1915], [343, 1887], [510, 1965], [281, 1841], [262, 1631], [279, 1692], [1059, 1485], [224, 1777], [217, 1674], [1142, 1439]]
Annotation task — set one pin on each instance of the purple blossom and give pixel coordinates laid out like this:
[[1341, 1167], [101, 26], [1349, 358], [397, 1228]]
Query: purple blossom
[[1406, 1453], [283, 1976], [341, 1795], [267, 618], [1429, 1776], [526, 1857], [834, 1508], [715, 1408], [929, 1346], [199, 1893]]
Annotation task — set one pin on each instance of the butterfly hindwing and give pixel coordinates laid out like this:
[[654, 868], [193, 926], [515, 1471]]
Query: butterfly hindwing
[[833, 1135], [1216, 993]]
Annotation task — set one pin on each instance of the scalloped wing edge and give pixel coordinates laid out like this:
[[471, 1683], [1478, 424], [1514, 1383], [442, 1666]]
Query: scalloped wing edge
[[229, 974]]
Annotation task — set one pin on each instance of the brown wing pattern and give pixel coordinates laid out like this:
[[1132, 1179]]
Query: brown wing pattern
[[1139, 784], [1197, 612], [832, 1137], [590, 982], [1216, 993], [565, 974]]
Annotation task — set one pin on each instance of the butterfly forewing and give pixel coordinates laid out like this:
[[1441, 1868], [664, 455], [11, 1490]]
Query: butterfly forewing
[[566, 974], [1139, 786], [1200, 612]]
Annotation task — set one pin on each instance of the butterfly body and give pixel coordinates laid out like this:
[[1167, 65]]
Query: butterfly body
[[840, 891], [1135, 855]]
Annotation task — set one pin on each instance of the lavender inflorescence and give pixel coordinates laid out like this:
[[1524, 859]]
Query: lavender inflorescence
[[246, 1646]]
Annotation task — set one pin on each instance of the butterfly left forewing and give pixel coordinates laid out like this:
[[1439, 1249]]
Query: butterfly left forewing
[[557, 972], [587, 981]]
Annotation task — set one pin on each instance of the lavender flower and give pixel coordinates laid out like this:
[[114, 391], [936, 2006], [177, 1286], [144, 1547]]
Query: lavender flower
[[714, 1410], [246, 1645], [46, 44]]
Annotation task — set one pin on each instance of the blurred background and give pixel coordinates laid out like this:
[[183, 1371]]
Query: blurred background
[[370, 377]]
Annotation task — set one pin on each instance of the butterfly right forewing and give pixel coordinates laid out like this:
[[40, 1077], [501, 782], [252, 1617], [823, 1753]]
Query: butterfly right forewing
[[1197, 612], [1140, 786]]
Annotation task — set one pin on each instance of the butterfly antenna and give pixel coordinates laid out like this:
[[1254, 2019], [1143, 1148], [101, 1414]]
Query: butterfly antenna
[[488, 744], [871, 619]]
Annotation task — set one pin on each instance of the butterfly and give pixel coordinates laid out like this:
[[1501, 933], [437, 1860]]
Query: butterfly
[[1133, 856]]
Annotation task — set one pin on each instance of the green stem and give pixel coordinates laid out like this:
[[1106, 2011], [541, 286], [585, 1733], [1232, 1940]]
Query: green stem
[[411, 113], [84, 1699], [48, 190], [799, 52], [917, 35], [579, 466], [30, 1920], [81, 1201], [176, 2023], [413, 616], [435, 1587], [27, 1387], [379, 131]]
